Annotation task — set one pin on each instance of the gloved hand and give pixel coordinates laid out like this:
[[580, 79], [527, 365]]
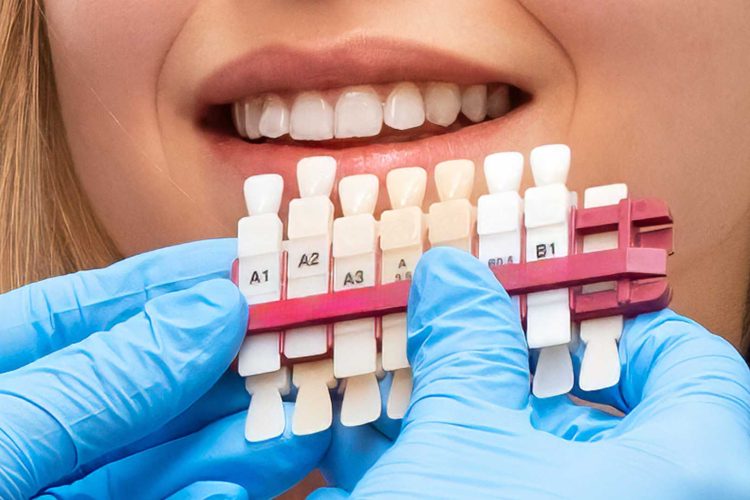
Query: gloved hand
[[108, 385], [474, 431]]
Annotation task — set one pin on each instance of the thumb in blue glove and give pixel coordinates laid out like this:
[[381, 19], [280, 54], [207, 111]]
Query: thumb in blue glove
[[474, 431]]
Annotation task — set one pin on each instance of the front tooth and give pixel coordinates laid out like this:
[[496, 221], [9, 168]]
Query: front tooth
[[315, 175], [442, 103], [550, 164], [358, 194], [454, 179], [406, 186], [404, 107], [498, 102], [253, 109], [238, 118], [359, 113], [474, 102], [311, 118], [503, 171], [274, 118], [263, 193]]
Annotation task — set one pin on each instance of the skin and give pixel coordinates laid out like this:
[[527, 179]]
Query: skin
[[649, 93]]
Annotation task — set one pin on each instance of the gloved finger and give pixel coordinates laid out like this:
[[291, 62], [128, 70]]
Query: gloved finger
[[670, 362], [43, 317], [114, 387], [218, 452], [466, 346], [211, 490], [227, 397], [353, 450], [328, 494], [565, 419]]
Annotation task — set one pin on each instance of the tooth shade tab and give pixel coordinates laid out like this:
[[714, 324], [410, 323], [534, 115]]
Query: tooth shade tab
[[554, 373], [398, 398], [442, 103], [500, 214], [548, 321], [454, 179], [308, 250], [359, 113], [274, 117], [311, 118], [315, 176], [503, 171], [474, 102], [358, 194], [265, 416], [406, 186], [259, 354], [601, 196], [361, 403], [404, 107], [498, 101], [600, 365], [313, 412], [263, 193], [550, 164], [451, 220]]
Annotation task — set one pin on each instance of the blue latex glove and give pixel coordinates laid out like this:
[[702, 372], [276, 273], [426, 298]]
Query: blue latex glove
[[108, 385], [474, 431]]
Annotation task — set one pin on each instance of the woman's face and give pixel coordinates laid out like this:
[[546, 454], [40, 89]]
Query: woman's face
[[649, 93]]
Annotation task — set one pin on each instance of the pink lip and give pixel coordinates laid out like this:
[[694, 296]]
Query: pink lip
[[359, 61], [349, 62]]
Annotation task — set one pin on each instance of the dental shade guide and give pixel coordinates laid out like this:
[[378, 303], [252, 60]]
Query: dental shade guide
[[548, 324], [500, 213], [313, 411], [600, 367], [259, 253], [308, 248], [609, 263], [451, 220], [265, 416], [402, 238], [355, 240]]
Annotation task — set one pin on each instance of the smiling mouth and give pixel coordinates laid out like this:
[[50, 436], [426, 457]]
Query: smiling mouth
[[371, 104], [361, 115], [367, 114]]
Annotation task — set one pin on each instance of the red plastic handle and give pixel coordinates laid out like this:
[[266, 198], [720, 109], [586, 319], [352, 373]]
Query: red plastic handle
[[638, 266]]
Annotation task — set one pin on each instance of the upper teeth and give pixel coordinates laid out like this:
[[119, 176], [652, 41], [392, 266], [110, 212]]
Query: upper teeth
[[404, 107], [361, 111]]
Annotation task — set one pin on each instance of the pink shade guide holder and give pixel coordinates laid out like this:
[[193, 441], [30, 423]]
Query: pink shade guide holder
[[638, 266]]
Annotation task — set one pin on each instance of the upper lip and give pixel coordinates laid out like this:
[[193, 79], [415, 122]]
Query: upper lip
[[353, 61], [322, 65]]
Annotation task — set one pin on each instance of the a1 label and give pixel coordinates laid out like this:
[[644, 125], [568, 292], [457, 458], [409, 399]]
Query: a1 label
[[259, 275]]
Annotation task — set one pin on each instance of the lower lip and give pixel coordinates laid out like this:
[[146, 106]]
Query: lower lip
[[472, 142]]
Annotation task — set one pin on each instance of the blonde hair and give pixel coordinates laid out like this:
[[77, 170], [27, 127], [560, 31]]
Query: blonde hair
[[47, 226]]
